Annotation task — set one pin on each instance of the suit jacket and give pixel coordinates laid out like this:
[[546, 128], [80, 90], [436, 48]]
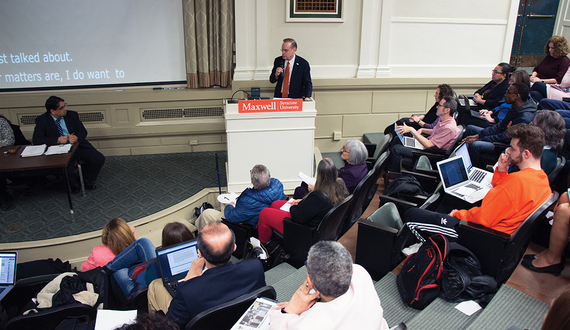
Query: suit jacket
[[300, 84], [216, 286], [46, 130]]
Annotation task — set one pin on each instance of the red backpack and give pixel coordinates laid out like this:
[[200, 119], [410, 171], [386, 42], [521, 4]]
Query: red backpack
[[418, 279]]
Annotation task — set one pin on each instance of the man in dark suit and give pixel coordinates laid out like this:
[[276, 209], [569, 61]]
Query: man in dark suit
[[60, 126], [212, 279], [294, 70]]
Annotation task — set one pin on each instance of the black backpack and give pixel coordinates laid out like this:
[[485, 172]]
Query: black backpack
[[418, 279], [406, 184], [462, 278]]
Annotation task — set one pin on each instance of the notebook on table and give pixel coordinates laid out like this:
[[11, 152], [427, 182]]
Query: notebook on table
[[174, 262], [408, 141], [456, 180], [8, 262], [475, 174]]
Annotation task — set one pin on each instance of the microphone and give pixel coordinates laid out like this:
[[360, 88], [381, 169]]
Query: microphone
[[283, 66]]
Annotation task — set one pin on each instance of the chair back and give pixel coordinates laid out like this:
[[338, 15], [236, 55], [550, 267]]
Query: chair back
[[560, 162], [224, 316], [328, 229], [382, 145], [363, 194]]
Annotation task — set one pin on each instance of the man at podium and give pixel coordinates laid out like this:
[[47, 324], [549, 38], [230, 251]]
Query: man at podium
[[292, 73]]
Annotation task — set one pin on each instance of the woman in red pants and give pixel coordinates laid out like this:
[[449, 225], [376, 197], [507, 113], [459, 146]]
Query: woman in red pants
[[329, 190]]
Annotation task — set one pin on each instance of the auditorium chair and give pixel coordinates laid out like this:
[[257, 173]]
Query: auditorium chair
[[379, 247], [298, 238], [363, 194], [242, 231], [49, 318], [224, 316], [404, 201], [375, 150], [118, 300]]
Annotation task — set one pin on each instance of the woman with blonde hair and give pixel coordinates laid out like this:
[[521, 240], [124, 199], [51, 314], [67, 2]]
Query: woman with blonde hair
[[117, 235], [329, 191], [552, 68]]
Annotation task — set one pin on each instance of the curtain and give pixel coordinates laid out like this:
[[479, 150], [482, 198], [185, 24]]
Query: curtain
[[208, 39]]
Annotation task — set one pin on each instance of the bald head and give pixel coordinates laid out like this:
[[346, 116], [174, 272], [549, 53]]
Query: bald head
[[216, 243]]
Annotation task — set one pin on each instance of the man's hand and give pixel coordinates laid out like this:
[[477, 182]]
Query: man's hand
[[453, 211], [484, 111], [62, 140], [302, 300], [195, 268], [404, 129], [471, 138], [72, 138], [278, 71], [488, 117], [504, 162]]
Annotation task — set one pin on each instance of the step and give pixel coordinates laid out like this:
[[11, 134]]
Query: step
[[278, 273], [441, 314], [286, 287], [395, 311]]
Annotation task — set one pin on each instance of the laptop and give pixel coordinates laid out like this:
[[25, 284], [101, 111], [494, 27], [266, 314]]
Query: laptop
[[468, 103], [7, 272], [456, 180], [475, 174], [174, 262], [408, 141]]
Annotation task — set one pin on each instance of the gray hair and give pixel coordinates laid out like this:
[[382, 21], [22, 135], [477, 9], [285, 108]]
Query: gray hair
[[260, 177], [329, 266], [357, 152]]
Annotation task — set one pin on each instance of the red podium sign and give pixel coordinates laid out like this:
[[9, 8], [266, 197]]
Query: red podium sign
[[254, 106]]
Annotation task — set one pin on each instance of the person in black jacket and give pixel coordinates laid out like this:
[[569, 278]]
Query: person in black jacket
[[59, 126], [329, 190], [299, 77], [489, 96]]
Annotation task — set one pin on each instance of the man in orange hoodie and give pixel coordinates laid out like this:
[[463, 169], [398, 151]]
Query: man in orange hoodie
[[514, 196]]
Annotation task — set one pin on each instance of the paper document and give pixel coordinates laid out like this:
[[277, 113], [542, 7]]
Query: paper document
[[227, 198], [109, 319], [287, 206], [256, 316], [58, 149], [468, 307], [31, 151], [307, 179]]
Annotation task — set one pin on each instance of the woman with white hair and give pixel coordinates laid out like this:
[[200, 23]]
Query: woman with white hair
[[336, 294], [354, 154]]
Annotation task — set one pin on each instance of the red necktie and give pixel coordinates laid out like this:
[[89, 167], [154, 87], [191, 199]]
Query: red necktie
[[285, 92]]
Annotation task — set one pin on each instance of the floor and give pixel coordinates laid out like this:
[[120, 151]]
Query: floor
[[541, 286]]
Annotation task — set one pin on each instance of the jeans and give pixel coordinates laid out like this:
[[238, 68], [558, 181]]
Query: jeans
[[477, 148], [140, 251], [549, 104], [538, 91]]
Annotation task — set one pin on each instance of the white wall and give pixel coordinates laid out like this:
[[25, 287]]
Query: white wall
[[403, 38]]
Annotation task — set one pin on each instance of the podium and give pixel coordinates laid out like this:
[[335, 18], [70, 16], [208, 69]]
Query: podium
[[277, 133]]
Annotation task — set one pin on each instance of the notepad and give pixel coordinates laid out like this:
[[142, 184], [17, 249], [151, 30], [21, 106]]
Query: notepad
[[307, 179], [31, 151], [58, 149]]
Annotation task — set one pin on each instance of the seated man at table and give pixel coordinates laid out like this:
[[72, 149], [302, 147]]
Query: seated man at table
[[513, 197], [442, 133], [60, 126]]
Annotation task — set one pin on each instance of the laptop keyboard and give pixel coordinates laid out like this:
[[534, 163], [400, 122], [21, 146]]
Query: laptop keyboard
[[473, 186], [477, 176], [409, 142]]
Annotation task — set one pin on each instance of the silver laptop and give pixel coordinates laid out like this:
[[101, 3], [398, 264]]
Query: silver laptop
[[408, 141], [174, 263], [456, 181], [8, 262], [475, 174]]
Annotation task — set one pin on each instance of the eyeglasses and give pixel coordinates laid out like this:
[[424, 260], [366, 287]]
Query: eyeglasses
[[285, 50], [344, 150], [509, 92], [495, 72], [62, 107]]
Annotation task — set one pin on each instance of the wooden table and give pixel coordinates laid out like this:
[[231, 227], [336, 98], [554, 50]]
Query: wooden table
[[12, 165]]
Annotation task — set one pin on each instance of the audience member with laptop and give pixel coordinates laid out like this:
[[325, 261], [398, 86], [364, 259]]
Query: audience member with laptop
[[211, 280], [441, 136], [513, 198]]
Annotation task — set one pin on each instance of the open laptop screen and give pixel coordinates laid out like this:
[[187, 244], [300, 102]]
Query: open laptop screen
[[176, 259], [7, 267], [464, 153], [452, 171]]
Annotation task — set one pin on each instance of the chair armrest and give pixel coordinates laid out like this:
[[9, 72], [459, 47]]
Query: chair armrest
[[475, 228], [297, 240]]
